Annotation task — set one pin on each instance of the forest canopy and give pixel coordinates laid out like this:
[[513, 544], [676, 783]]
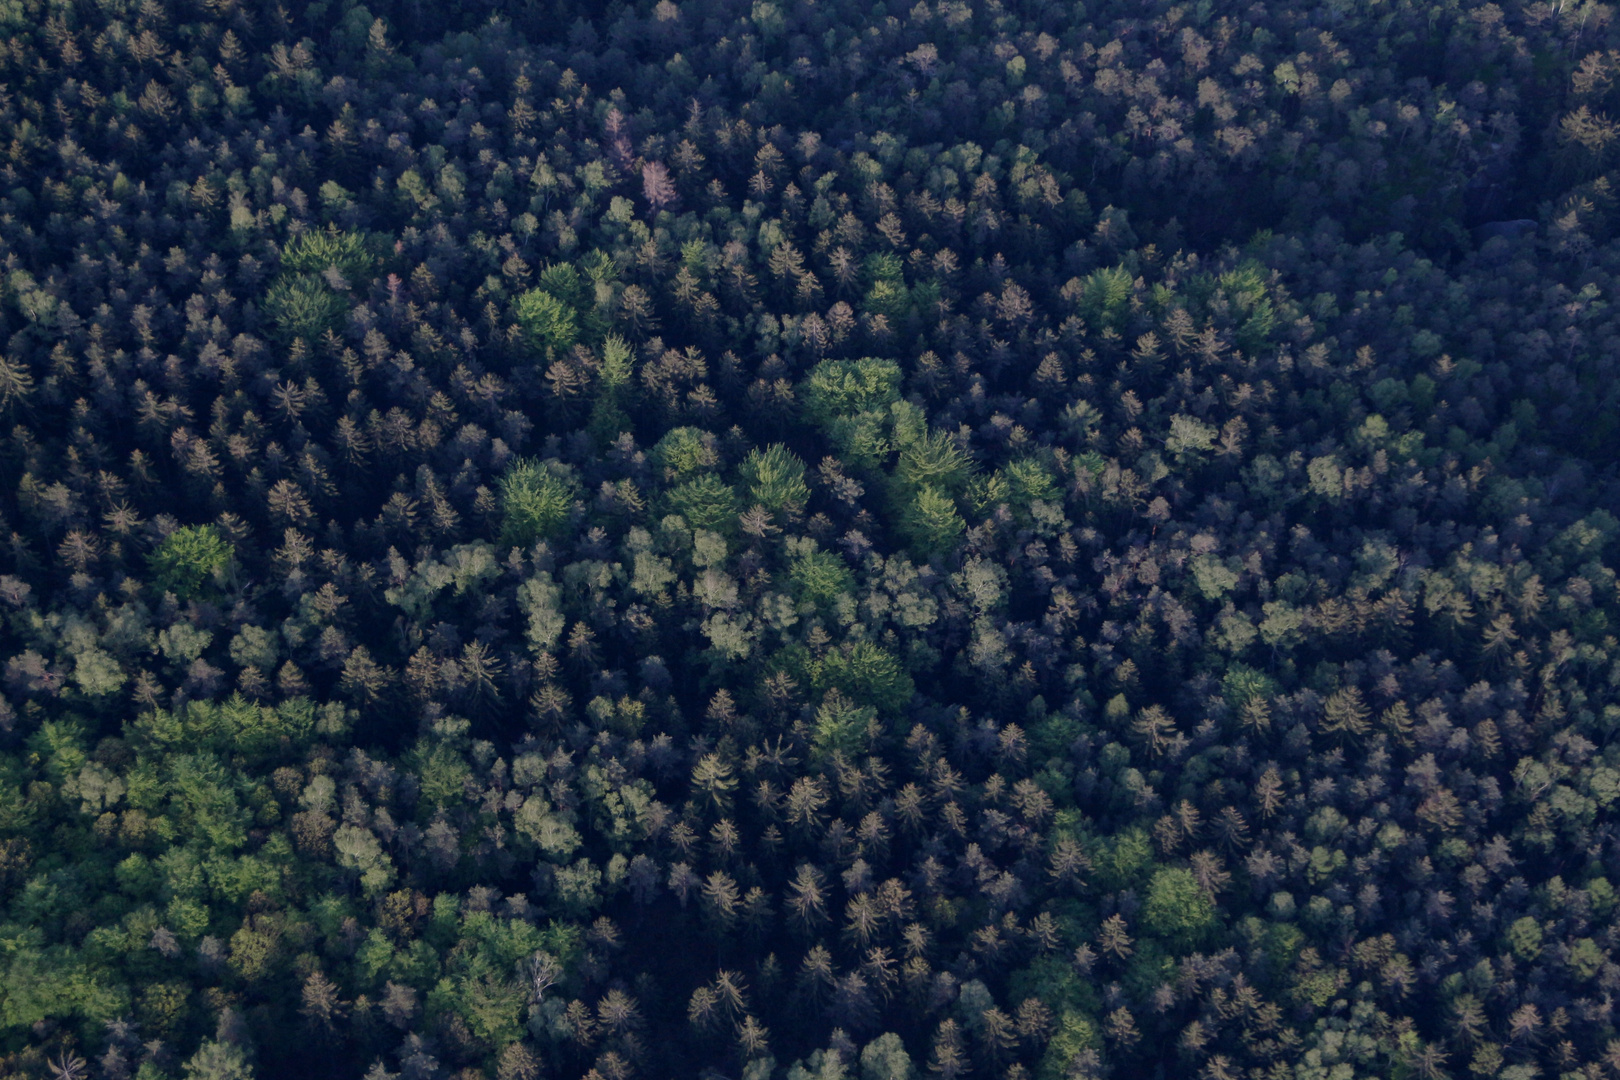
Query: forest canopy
[[809, 541]]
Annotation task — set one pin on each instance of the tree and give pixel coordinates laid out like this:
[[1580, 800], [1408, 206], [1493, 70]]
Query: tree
[[304, 306], [713, 778], [323, 1007], [190, 561], [517, 1062], [1254, 577], [843, 388], [548, 323], [775, 478], [216, 1060], [315, 252], [870, 675], [1177, 909], [949, 1057], [843, 727], [806, 899], [819, 577], [931, 522], [706, 502], [933, 461], [536, 500], [885, 1058], [685, 451], [657, 185]]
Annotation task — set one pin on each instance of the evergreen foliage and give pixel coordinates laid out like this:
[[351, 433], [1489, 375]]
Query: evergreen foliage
[[189, 560], [536, 500]]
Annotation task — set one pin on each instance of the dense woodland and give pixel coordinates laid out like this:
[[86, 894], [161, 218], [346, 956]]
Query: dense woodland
[[809, 540]]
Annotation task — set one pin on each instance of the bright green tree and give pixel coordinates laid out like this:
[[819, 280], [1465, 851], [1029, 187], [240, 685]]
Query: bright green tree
[[819, 576], [706, 502], [844, 727], [302, 306], [536, 500], [189, 560], [684, 451], [548, 323], [839, 388], [775, 478], [885, 1058], [317, 252], [931, 522], [934, 460], [1177, 910], [870, 674], [218, 1061]]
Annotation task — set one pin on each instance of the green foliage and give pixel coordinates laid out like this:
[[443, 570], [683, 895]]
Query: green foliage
[[564, 282], [1030, 480], [1076, 1034], [319, 250], [190, 561], [931, 522], [836, 389], [934, 460], [1104, 297], [1176, 909], [218, 1061], [43, 982], [233, 725], [547, 322], [870, 674], [1124, 859], [1189, 437], [885, 1058], [864, 439], [986, 493], [625, 717], [819, 577], [551, 829], [442, 772], [883, 266], [491, 1006], [1052, 980], [1524, 938], [775, 478], [256, 647], [705, 502], [1053, 735], [599, 267], [1242, 291], [537, 500], [685, 451], [890, 299], [1019, 484], [1585, 958], [1242, 684], [578, 888], [304, 306], [616, 363], [59, 744], [1214, 579], [97, 673], [843, 727], [182, 643], [462, 569]]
